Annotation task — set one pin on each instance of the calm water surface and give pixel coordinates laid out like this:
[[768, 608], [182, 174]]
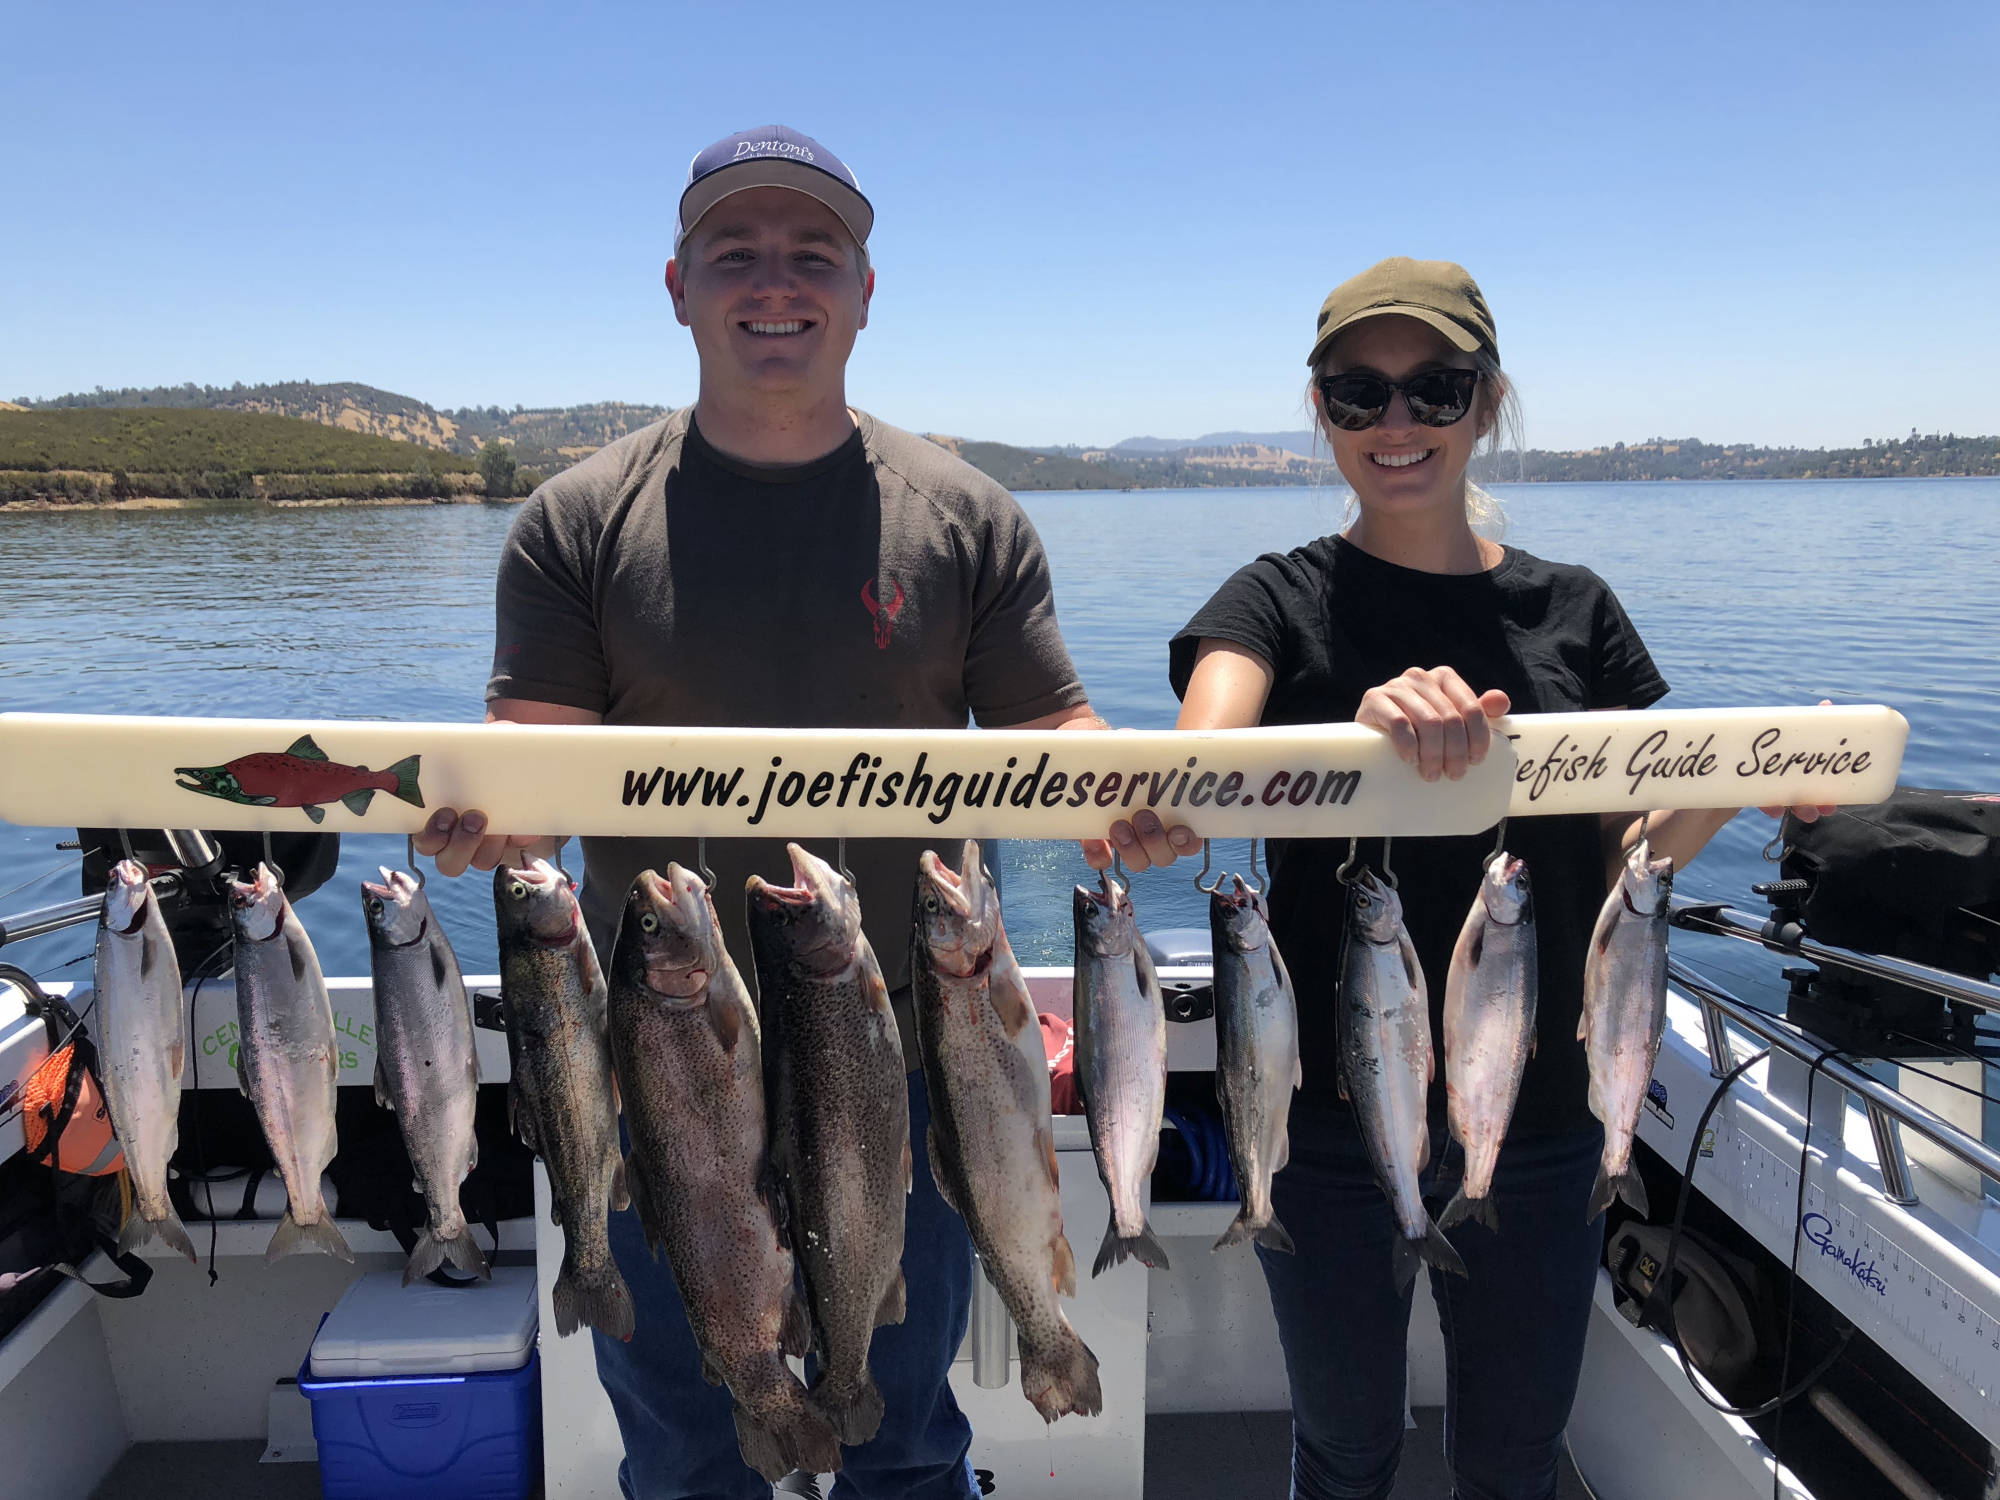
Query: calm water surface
[[1746, 593]]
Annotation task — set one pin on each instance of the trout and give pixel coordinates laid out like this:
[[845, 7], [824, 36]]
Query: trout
[[991, 1141], [1489, 1029], [561, 1101], [1625, 1014], [287, 1062], [1121, 1064], [686, 1040], [426, 1070], [840, 1122], [141, 1048], [1386, 1064], [1256, 1057]]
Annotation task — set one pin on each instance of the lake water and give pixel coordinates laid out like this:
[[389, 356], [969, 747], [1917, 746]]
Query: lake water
[[1746, 593]]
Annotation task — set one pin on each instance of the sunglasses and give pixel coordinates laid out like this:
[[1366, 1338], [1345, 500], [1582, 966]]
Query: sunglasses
[[1436, 398]]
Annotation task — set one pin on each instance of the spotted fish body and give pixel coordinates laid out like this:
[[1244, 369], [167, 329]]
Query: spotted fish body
[[1489, 1029], [426, 1066], [1386, 1064], [840, 1122], [1256, 1057], [689, 1055], [286, 1059], [1625, 1014], [141, 1049], [1121, 1064], [991, 1139]]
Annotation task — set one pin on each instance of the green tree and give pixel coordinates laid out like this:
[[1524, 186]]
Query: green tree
[[423, 480], [497, 468]]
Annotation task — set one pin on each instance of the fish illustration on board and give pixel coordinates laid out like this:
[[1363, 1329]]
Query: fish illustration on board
[[302, 776]]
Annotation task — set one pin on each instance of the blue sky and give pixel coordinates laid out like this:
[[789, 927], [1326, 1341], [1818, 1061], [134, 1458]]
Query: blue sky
[[1748, 222]]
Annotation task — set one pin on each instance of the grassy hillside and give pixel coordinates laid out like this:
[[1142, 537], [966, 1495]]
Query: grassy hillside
[[104, 439]]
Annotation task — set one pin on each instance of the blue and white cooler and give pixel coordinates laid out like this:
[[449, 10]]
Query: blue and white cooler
[[426, 1391]]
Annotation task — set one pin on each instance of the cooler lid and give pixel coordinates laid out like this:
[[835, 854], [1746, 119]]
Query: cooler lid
[[390, 1328]]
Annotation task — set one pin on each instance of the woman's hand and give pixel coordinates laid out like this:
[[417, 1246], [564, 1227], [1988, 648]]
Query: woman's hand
[[1437, 723]]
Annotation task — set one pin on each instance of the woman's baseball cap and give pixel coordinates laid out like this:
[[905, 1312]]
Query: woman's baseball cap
[[772, 156], [1436, 292]]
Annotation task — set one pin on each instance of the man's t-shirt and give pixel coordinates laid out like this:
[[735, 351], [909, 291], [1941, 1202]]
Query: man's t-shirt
[[885, 585], [1335, 621]]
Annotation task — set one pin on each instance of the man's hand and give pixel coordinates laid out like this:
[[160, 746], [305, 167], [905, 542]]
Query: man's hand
[[460, 840]]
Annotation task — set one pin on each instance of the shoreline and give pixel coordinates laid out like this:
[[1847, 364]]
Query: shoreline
[[163, 502]]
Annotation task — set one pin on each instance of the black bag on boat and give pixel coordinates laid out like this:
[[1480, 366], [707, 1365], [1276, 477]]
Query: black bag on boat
[[1915, 877]]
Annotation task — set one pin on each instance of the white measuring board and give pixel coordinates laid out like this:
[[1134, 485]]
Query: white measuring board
[[1291, 781], [1920, 1281]]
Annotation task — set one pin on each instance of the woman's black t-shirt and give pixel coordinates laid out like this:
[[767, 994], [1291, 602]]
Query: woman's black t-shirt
[[1334, 621]]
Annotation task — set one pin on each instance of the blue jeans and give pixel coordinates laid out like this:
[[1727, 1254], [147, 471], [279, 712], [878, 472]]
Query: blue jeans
[[680, 1440], [1513, 1328]]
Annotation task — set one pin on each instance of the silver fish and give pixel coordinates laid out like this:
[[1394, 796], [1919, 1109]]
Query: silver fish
[[426, 1068], [1386, 1064], [1256, 1057], [1625, 1014], [690, 1059], [1489, 1029], [1120, 1021], [840, 1122], [991, 1141], [561, 1099], [141, 1048], [286, 1059]]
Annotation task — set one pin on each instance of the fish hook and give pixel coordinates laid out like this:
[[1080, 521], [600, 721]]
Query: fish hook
[[1209, 890], [271, 863], [840, 858], [561, 844], [1120, 876], [410, 858], [1778, 843], [1387, 873], [1645, 821], [1499, 843], [1256, 875], [701, 863], [1345, 874], [125, 838]]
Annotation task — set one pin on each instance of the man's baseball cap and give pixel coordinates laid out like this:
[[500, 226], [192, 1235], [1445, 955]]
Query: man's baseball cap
[[772, 156], [1432, 291]]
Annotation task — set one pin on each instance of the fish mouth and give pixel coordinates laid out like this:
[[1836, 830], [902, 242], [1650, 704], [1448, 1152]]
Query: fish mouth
[[539, 875], [195, 781], [258, 896], [952, 888]]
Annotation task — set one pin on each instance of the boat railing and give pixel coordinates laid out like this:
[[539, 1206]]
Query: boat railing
[[1888, 1109]]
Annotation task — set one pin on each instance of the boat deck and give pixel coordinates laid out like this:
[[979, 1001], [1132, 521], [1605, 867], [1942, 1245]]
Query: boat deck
[[1188, 1457]]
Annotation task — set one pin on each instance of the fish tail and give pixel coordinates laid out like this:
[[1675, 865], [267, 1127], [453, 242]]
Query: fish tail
[[857, 1415], [1117, 1248], [1270, 1234], [1432, 1247], [1061, 1378], [597, 1297], [434, 1249], [1614, 1185], [406, 788], [321, 1237], [1479, 1210], [169, 1230], [793, 1434]]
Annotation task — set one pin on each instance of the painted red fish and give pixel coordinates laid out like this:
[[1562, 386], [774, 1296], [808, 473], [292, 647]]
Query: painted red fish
[[302, 777]]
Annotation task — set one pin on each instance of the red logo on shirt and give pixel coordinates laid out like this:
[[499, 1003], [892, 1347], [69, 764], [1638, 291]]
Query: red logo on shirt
[[884, 610]]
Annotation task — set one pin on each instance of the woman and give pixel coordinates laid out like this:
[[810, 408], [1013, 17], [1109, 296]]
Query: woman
[[1412, 622]]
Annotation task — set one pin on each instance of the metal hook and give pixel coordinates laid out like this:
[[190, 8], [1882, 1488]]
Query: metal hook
[[1778, 843], [1645, 821], [271, 863], [840, 858], [561, 844], [1209, 890], [125, 838], [1256, 875], [1120, 876], [701, 863], [1387, 873], [1499, 843], [1345, 874], [410, 858]]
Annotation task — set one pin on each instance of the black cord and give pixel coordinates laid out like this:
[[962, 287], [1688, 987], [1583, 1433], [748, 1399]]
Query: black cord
[[201, 977], [1665, 1279]]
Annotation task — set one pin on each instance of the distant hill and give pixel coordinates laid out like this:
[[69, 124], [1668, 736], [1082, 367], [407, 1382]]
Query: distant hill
[[106, 453], [1234, 466], [1300, 443], [548, 438], [1916, 456]]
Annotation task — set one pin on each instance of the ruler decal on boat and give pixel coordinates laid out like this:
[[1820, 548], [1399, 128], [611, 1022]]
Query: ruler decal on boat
[[1300, 781]]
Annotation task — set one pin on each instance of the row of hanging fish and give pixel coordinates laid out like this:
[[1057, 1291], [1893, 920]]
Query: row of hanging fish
[[1387, 1060]]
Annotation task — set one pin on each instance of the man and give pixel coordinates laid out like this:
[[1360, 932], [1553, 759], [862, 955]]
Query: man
[[771, 557]]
